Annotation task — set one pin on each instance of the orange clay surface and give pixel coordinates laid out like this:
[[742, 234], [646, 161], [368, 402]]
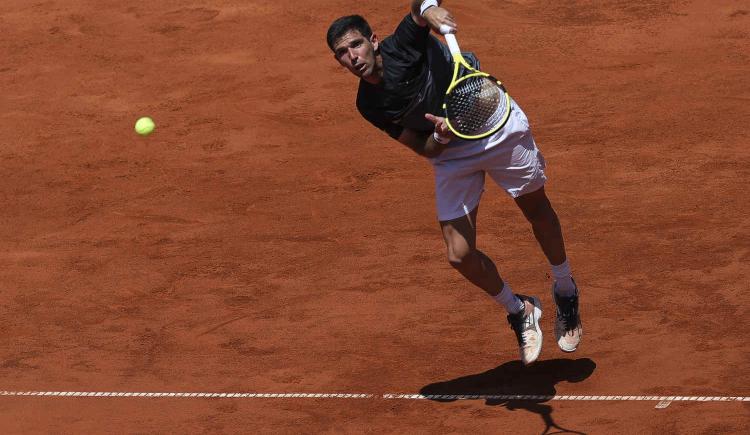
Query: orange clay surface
[[265, 238]]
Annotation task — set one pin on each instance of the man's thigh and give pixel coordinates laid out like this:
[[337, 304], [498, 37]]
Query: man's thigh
[[517, 166], [458, 187]]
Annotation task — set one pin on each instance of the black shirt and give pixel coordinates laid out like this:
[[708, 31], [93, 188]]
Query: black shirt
[[417, 70]]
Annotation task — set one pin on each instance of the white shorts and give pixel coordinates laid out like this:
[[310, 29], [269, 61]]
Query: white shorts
[[512, 160]]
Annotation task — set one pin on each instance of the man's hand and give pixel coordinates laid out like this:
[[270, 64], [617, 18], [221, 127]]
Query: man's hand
[[438, 141], [441, 127], [437, 16]]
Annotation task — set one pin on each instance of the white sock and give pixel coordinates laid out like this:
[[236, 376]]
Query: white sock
[[564, 285], [510, 301]]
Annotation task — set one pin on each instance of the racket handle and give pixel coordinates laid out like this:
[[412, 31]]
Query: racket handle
[[446, 29], [450, 38]]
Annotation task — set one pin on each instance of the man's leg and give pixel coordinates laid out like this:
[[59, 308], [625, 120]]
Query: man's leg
[[546, 226], [460, 237], [543, 219], [523, 312]]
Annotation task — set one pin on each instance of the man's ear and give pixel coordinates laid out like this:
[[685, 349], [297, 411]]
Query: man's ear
[[375, 42]]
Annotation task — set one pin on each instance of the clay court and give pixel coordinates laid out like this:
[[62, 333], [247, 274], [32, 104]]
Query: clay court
[[266, 240]]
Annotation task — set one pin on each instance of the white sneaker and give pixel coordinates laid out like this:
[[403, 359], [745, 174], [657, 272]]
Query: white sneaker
[[568, 328], [526, 326]]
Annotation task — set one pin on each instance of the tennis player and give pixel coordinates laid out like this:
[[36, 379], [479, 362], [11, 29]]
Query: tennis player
[[403, 79]]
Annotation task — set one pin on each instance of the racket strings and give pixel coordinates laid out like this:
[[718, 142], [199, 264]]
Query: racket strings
[[476, 106]]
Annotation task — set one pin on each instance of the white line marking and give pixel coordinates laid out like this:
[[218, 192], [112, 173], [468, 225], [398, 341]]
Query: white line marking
[[566, 398], [189, 394], [663, 401]]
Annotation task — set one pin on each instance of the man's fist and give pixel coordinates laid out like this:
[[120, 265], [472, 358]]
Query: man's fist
[[437, 16]]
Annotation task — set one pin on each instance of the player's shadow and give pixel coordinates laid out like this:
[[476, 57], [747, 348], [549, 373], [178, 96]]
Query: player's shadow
[[512, 378]]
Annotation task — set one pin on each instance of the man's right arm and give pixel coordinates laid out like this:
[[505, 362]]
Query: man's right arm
[[436, 16], [416, 14]]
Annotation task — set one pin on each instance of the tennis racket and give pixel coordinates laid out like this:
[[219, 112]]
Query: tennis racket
[[476, 104]]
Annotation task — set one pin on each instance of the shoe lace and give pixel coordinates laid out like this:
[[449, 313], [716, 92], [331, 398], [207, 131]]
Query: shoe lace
[[520, 323], [568, 314]]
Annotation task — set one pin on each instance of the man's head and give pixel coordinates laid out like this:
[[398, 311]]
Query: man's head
[[355, 46]]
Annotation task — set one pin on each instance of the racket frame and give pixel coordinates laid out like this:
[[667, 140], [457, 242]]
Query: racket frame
[[458, 62]]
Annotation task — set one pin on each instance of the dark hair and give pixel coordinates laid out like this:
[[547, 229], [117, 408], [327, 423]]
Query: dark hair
[[344, 24]]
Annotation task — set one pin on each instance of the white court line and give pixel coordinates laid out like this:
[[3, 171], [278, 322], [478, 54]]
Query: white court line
[[387, 396], [566, 398], [190, 395], [663, 401]]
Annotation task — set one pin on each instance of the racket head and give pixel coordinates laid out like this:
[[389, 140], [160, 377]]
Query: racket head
[[476, 106]]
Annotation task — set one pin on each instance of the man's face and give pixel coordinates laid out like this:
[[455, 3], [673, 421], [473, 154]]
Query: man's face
[[357, 54]]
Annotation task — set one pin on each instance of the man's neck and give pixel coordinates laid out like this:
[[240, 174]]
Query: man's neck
[[377, 73]]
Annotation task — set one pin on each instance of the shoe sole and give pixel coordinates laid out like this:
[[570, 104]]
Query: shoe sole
[[566, 350], [537, 317]]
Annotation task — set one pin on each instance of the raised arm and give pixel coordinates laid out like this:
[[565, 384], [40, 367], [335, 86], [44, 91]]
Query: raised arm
[[429, 12]]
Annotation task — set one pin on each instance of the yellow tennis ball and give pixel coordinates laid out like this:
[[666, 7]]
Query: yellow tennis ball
[[144, 126]]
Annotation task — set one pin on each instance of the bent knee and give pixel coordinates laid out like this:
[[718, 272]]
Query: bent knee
[[459, 255]]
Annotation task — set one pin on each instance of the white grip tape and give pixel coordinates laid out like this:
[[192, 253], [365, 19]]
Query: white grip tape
[[450, 38], [446, 29]]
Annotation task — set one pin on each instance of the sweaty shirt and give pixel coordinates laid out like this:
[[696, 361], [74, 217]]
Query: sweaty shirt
[[417, 70]]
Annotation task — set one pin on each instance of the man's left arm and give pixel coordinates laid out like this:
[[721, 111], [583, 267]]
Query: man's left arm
[[428, 144], [420, 142]]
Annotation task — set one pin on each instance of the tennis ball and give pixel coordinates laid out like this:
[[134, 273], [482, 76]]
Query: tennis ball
[[144, 126]]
